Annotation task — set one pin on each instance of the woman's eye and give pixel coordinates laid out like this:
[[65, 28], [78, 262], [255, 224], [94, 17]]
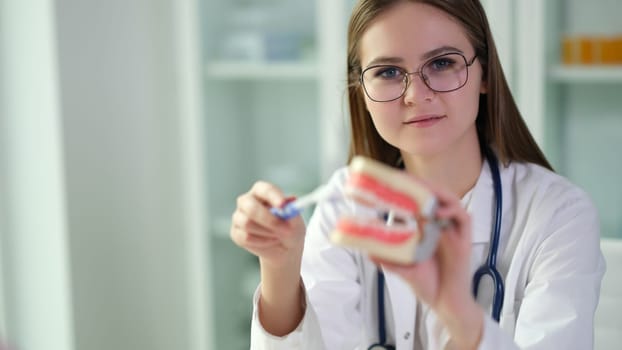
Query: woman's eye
[[389, 73], [441, 64]]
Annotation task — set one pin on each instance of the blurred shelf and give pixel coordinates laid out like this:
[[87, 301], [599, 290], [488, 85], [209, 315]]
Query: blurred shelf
[[587, 74], [231, 70]]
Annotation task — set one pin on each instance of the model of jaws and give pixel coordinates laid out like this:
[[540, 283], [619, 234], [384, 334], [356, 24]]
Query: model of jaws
[[410, 232]]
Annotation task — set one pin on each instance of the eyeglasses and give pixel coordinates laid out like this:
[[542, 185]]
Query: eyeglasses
[[444, 73]]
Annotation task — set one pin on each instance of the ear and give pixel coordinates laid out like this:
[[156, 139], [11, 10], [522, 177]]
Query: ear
[[483, 87]]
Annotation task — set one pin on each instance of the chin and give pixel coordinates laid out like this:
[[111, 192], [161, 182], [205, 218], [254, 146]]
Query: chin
[[421, 150]]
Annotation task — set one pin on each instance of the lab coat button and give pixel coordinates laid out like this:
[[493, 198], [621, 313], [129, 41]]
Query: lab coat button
[[406, 335]]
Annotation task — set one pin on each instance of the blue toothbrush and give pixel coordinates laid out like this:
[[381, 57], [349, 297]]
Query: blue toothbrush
[[295, 207]]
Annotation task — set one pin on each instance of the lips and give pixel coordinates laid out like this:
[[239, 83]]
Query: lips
[[424, 118]]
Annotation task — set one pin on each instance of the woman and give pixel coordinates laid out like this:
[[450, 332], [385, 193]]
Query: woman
[[427, 94]]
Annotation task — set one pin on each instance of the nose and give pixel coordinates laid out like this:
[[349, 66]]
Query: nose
[[416, 89]]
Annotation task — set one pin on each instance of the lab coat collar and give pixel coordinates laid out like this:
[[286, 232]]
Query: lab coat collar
[[480, 205]]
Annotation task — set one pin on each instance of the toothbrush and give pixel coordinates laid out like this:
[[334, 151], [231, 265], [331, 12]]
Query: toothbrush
[[295, 207]]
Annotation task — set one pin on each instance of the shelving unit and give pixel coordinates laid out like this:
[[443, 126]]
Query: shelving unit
[[227, 70], [273, 111], [586, 74], [574, 111]]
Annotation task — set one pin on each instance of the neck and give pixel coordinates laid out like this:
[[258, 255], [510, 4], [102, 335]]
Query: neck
[[456, 170]]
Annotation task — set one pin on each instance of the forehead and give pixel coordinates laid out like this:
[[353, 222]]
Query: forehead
[[408, 30]]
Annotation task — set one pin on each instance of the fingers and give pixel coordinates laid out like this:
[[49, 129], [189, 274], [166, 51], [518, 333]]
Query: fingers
[[254, 227], [255, 206], [455, 242], [267, 193], [451, 209], [251, 241], [242, 221], [455, 214]]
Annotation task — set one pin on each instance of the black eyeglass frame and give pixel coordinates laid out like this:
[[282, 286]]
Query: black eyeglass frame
[[423, 77]]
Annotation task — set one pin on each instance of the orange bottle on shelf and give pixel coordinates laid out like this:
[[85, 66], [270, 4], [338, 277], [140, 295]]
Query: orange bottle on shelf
[[591, 49], [569, 50], [608, 52], [616, 48], [588, 50]]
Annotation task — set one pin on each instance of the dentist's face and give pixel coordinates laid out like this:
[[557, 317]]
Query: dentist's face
[[422, 122]]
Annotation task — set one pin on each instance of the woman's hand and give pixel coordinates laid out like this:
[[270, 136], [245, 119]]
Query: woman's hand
[[278, 244], [444, 281]]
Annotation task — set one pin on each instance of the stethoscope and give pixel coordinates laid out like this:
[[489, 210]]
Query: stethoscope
[[487, 269]]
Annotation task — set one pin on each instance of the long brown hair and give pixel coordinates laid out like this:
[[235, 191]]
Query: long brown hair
[[499, 123]]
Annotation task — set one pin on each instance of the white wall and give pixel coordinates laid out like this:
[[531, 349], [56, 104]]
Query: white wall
[[34, 237], [34, 240], [500, 14], [115, 188], [124, 180]]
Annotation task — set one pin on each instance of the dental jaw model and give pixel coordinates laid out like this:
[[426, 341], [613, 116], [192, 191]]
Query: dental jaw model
[[410, 206]]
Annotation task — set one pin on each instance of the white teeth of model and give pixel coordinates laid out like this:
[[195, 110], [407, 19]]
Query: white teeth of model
[[366, 197], [359, 195]]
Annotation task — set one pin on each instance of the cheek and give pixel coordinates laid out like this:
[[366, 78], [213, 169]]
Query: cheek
[[386, 121], [378, 114], [466, 101], [381, 113], [463, 109]]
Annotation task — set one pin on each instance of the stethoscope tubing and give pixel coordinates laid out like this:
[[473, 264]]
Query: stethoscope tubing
[[382, 332], [490, 268], [381, 319]]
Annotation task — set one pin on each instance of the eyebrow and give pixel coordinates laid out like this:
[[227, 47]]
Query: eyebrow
[[426, 56]]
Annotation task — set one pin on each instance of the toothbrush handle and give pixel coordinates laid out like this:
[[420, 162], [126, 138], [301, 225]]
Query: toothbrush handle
[[295, 207], [287, 212]]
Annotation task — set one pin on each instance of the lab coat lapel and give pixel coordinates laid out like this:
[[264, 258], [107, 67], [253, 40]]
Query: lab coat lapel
[[481, 206], [403, 304]]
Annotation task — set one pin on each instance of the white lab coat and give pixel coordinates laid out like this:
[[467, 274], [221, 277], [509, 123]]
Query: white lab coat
[[549, 257]]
